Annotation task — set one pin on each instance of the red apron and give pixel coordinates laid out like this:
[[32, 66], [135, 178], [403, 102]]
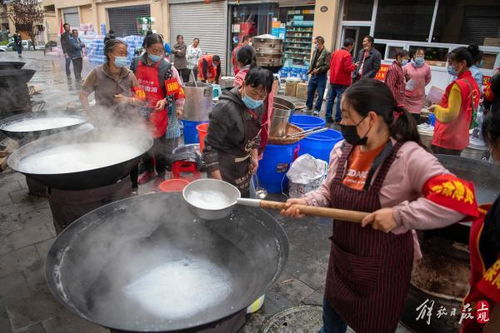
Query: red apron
[[369, 271], [477, 271], [455, 135], [150, 83]]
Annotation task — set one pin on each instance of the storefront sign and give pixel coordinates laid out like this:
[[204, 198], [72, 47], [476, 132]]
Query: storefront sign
[[382, 72]]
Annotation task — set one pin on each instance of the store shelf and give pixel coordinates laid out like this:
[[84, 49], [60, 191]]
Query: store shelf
[[295, 42]]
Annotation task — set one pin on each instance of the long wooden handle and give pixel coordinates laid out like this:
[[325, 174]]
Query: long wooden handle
[[338, 214]]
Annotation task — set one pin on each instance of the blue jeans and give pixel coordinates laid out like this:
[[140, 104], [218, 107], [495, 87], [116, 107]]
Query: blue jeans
[[316, 82], [336, 91], [332, 323]]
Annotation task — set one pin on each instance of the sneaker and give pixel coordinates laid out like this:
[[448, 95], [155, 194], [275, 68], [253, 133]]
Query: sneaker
[[145, 177], [315, 113]]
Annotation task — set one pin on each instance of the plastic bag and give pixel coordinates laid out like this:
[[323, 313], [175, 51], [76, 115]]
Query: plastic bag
[[306, 169]]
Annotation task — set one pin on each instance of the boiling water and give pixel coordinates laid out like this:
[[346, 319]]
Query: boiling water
[[77, 157], [181, 289], [207, 199], [42, 124]]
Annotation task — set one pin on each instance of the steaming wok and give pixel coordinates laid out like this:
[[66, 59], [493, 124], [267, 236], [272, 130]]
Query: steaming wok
[[91, 177], [486, 178], [34, 134], [94, 261]]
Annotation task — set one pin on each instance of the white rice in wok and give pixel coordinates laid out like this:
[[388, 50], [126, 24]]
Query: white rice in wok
[[77, 157], [42, 124], [180, 289]]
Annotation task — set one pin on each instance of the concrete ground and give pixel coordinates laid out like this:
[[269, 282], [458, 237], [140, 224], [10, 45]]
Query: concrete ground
[[26, 234]]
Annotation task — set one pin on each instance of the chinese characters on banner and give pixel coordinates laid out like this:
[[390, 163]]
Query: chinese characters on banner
[[427, 309], [382, 72]]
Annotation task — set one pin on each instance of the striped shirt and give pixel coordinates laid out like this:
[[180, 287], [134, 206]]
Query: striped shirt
[[395, 80]]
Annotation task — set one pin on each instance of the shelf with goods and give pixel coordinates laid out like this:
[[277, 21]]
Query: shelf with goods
[[298, 37]]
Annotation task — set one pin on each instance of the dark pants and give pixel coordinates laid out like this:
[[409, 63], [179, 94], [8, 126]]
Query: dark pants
[[336, 91], [184, 74], [195, 73], [19, 49], [316, 82], [444, 151], [156, 158], [332, 323], [77, 68], [68, 64]]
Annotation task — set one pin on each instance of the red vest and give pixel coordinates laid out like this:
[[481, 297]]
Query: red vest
[[211, 70], [455, 135], [149, 82]]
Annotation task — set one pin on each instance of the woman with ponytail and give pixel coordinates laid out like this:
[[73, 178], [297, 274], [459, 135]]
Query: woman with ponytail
[[455, 112], [245, 60], [383, 169]]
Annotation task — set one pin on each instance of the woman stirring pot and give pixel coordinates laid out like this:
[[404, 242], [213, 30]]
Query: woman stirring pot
[[380, 168], [231, 145]]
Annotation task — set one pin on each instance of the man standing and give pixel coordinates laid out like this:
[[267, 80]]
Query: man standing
[[75, 54], [341, 68], [180, 61], [18, 44], [368, 60], [244, 41], [318, 69], [65, 45]]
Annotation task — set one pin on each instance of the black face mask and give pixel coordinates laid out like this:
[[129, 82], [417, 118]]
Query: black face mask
[[351, 134]]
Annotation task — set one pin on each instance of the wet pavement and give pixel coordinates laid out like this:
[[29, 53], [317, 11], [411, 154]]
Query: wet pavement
[[26, 234]]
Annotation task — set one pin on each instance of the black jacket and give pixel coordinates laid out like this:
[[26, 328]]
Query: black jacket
[[227, 128], [65, 42], [371, 65]]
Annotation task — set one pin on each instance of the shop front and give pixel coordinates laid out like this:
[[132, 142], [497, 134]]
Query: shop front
[[292, 21], [437, 26]]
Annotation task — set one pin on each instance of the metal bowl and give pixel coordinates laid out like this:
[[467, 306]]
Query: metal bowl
[[210, 187]]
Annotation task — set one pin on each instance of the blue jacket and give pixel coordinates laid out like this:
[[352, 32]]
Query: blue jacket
[[75, 48]]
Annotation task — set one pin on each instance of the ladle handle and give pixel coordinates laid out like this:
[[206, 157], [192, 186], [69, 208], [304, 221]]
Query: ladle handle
[[338, 214]]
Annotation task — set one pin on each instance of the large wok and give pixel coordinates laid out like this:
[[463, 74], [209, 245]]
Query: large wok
[[93, 262], [32, 135], [11, 65], [91, 178]]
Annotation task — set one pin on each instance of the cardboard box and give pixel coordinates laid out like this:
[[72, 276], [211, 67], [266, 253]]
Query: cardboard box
[[291, 88], [301, 91], [491, 41]]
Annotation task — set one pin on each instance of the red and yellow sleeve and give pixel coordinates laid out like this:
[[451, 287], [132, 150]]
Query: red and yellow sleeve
[[174, 88], [488, 93], [453, 193], [139, 93], [489, 285]]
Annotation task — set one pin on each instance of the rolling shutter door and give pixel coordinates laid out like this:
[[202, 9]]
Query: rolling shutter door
[[123, 20], [72, 17], [206, 21]]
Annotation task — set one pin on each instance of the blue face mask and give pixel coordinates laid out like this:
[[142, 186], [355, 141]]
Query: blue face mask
[[404, 62], [154, 58], [419, 61], [451, 70], [251, 103], [121, 61]]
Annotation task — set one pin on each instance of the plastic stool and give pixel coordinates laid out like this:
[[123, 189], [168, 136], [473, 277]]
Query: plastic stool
[[179, 167]]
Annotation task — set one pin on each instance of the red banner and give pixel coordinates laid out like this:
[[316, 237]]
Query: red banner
[[382, 72]]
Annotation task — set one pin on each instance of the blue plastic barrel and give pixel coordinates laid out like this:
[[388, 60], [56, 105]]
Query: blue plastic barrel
[[320, 145], [274, 165], [307, 122], [190, 131]]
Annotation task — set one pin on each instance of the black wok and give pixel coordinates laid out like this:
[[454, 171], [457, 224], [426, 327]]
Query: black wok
[[87, 179], [11, 65], [33, 135], [93, 262], [15, 77]]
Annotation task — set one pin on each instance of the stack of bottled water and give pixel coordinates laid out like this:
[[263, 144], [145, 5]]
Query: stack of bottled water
[[95, 48]]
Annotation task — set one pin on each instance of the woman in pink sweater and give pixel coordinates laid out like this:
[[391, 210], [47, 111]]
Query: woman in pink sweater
[[383, 169]]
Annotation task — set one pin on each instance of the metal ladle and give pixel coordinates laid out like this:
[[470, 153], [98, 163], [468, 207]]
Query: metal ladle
[[232, 196]]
